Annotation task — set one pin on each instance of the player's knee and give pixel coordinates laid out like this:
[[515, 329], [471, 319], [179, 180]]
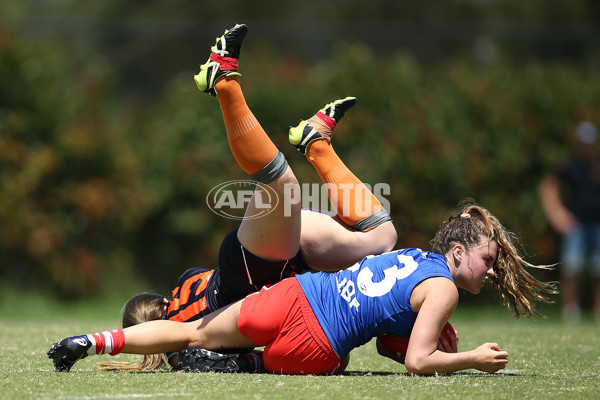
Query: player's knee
[[288, 187], [389, 235], [288, 179], [383, 237]]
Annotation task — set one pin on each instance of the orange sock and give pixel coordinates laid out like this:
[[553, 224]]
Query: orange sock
[[354, 203], [250, 145]]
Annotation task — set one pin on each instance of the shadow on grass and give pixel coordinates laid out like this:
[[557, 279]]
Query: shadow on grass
[[474, 374], [477, 374]]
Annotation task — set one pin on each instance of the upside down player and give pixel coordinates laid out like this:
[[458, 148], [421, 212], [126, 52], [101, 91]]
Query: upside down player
[[265, 250]]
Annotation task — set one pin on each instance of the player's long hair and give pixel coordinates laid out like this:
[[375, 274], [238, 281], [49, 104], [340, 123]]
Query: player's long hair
[[140, 308], [518, 288]]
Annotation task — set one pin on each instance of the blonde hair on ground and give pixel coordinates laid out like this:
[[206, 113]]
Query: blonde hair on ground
[[140, 308], [517, 287]]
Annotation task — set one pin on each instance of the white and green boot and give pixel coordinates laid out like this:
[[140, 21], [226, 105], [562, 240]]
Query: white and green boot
[[321, 125], [223, 60]]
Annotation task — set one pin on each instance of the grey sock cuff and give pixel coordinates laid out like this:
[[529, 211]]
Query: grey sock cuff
[[373, 220], [272, 170]]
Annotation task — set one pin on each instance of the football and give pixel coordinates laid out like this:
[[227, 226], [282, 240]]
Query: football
[[392, 346], [395, 347], [449, 328]]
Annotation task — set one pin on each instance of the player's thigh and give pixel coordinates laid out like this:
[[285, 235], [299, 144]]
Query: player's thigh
[[329, 244], [272, 231]]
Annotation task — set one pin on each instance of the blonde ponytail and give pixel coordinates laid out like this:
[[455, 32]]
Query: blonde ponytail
[[141, 308]]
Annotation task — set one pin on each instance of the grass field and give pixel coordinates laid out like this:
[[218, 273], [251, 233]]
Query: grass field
[[547, 361]]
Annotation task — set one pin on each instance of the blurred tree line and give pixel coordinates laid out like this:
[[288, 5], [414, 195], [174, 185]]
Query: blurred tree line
[[107, 149]]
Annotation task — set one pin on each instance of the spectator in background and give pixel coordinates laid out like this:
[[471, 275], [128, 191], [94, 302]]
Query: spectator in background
[[570, 198]]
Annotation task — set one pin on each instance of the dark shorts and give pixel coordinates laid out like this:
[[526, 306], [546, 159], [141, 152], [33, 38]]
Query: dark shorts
[[280, 318], [581, 241], [242, 273]]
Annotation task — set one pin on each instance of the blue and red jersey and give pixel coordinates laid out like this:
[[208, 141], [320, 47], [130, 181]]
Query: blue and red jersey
[[371, 298]]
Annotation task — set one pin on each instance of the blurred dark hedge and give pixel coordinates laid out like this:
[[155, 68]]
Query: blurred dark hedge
[[101, 191]]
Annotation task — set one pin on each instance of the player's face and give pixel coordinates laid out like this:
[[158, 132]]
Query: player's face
[[478, 265]]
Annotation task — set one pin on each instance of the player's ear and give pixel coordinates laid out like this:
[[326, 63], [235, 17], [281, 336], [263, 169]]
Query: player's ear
[[458, 253]]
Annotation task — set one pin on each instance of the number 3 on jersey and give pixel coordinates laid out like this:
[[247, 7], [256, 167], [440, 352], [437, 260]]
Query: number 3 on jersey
[[365, 283]]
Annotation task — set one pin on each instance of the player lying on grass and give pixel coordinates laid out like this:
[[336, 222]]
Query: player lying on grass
[[309, 323], [288, 240]]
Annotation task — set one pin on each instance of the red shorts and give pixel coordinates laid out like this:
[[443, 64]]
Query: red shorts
[[280, 318]]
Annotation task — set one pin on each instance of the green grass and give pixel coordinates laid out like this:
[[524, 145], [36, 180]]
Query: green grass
[[547, 361]]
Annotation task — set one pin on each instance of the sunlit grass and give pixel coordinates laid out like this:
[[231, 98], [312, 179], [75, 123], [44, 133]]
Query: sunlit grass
[[547, 360]]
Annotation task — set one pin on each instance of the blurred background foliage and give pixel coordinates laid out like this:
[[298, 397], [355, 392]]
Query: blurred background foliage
[[107, 149]]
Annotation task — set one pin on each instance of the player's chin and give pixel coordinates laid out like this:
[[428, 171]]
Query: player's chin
[[475, 290]]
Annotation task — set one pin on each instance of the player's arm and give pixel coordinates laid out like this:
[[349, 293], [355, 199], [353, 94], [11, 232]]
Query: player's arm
[[435, 300], [561, 219]]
